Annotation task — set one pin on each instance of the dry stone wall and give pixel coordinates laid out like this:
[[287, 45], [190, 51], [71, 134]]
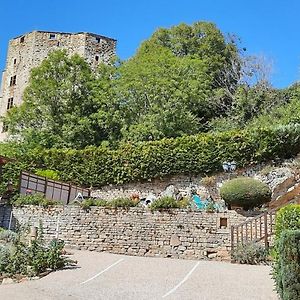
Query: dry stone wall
[[135, 231]]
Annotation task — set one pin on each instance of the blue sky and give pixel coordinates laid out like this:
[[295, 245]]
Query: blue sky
[[269, 28]]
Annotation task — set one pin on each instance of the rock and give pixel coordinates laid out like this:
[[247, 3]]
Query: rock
[[279, 180], [212, 255], [7, 281], [174, 241], [170, 191]]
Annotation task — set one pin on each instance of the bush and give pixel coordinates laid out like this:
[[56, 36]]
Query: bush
[[33, 199], [122, 202], [167, 203], [288, 265], [245, 192], [287, 231], [51, 174], [287, 217], [250, 253]]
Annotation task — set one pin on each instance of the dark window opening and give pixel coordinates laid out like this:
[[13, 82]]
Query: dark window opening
[[4, 128], [223, 223], [52, 36], [15, 61], [10, 103], [58, 44], [98, 39], [22, 39], [97, 58], [13, 80]]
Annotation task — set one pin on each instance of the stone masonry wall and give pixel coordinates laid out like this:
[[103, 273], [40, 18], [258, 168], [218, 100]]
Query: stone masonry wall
[[134, 231]]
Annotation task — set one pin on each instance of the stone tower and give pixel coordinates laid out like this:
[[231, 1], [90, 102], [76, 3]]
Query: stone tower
[[29, 50]]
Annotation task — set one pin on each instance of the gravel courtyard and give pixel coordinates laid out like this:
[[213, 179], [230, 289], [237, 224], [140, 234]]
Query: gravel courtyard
[[108, 276]]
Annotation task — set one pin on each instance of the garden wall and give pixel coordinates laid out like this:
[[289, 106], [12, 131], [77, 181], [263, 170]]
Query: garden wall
[[135, 231]]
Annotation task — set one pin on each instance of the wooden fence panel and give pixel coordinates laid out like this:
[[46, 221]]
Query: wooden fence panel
[[52, 189]]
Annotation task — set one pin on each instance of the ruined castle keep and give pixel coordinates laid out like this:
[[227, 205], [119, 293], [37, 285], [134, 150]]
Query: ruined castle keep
[[29, 50]]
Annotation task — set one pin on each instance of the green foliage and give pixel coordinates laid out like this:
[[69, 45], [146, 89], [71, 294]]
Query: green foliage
[[287, 228], [32, 199], [198, 154], [287, 267], [171, 87], [122, 202], [31, 260], [60, 108], [287, 218], [118, 202], [250, 253], [246, 192], [166, 203], [51, 174]]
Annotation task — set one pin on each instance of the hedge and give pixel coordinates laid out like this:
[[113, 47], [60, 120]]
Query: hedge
[[288, 265], [286, 252], [199, 154]]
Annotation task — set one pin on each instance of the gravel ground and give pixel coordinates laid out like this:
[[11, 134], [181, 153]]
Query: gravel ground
[[108, 276]]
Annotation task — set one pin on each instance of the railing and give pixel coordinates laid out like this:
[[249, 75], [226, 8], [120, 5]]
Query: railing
[[258, 229], [52, 189]]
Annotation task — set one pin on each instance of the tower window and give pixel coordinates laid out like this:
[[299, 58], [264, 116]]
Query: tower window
[[22, 38], [10, 103], [52, 36], [97, 57], [98, 39], [13, 80], [15, 61]]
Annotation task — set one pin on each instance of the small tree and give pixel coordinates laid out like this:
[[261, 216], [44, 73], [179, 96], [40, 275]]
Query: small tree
[[246, 192]]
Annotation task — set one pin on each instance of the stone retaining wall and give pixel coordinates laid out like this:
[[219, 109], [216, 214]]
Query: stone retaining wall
[[135, 231]]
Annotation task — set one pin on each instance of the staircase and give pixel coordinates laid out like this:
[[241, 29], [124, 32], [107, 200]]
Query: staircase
[[258, 229]]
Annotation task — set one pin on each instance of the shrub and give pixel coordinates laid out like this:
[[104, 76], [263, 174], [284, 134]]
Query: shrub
[[208, 181], [33, 199], [250, 253], [245, 192], [288, 265], [165, 203], [16, 257], [287, 231], [51, 174], [287, 217], [122, 202]]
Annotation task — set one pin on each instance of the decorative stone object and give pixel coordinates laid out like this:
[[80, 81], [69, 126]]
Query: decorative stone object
[[149, 199], [170, 191]]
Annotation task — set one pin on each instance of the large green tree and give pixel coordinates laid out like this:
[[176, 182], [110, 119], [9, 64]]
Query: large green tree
[[65, 104], [176, 82]]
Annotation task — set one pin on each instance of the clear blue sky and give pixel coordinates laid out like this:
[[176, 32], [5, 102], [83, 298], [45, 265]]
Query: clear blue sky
[[267, 27]]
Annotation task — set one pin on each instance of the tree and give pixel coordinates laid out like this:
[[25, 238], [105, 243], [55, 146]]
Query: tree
[[169, 87], [61, 108]]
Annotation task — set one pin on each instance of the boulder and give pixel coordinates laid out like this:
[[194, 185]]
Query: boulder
[[170, 191]]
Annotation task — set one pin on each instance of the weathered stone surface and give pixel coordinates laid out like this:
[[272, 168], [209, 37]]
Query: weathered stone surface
[[174, 240]]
